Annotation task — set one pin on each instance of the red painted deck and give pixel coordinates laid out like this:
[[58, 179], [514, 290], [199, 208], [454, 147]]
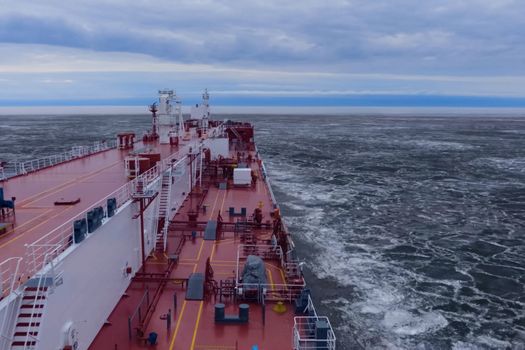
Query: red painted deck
[[90, 178], [94, 177], [193, 325]]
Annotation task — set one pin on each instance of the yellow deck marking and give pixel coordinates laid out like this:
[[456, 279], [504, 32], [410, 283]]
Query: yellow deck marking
[[271, 278], [65, 185], [200, 251], [226, 242], [39, 207], [282, 275], [224, 266], [212, 251], [223, 273], [178, 325], [216, 262], [196, 326], [225, 195], [214, 204], [44, 222], [37, 226], [27, 222], [58, 188]]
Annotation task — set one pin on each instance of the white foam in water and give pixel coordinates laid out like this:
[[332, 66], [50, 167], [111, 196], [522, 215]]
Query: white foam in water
[[438, 145], [363, 271], [406, 323], [485, 342], [508, 164], [386, 210], [394, 213], [375, 279]]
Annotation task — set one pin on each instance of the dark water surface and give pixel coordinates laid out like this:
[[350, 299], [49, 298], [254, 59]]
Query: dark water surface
[[412, 228]]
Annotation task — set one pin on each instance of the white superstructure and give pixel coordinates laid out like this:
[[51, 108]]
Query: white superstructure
[[72, 287], [170, 119], [201, 112]]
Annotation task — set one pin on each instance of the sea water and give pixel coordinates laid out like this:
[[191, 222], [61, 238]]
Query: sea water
[[412, 228]]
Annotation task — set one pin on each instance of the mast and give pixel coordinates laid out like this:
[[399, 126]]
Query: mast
[[153, 109], [180, 131], [206, 114]]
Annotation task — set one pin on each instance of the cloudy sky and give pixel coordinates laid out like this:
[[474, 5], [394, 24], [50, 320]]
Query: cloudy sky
[[276, 52]]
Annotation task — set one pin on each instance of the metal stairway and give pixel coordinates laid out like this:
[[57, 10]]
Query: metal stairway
[[236, 133], [29, 317], [163, 212], [33, 302]]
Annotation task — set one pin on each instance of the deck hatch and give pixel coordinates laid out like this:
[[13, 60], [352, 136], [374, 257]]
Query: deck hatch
[[210, 232], [195, 289]]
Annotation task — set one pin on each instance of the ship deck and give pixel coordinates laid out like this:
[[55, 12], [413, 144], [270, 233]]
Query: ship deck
[[89, 179], [193, 326]]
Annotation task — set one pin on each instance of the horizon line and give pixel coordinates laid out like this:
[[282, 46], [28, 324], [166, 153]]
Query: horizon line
[[335, 110]]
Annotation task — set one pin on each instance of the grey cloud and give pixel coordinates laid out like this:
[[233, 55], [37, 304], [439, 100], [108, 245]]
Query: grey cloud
[[433, 37]]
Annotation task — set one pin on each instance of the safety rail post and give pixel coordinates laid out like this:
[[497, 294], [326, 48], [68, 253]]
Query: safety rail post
[[8, 278], [8, 274], [41, 290], [22, 168], [305, 336], [137, 312], [60, 238], [61, 234]]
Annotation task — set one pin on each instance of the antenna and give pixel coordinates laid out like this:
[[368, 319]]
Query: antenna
[[205, 98], [153, 109]]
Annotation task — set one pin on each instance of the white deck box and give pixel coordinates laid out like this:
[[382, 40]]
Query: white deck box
[[242, 176]]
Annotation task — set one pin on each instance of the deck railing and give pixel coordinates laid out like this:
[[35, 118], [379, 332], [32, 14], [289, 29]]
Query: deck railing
[[8, 281], [61, 237], [306, 335], [273, 292], [9, 275], [274, 201], [264, 251], [138, 314], [12, 169]]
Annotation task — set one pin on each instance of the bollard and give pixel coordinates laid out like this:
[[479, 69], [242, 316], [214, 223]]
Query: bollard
[[219, 312], [244, 310]]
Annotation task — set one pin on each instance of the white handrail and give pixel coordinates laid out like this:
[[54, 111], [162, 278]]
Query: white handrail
[[8, 277], [12, 169], [304, 337], [41, 292], [62, 235], [274, 292], [256, 249], [167, 216], [60, 238], [8, 274]]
